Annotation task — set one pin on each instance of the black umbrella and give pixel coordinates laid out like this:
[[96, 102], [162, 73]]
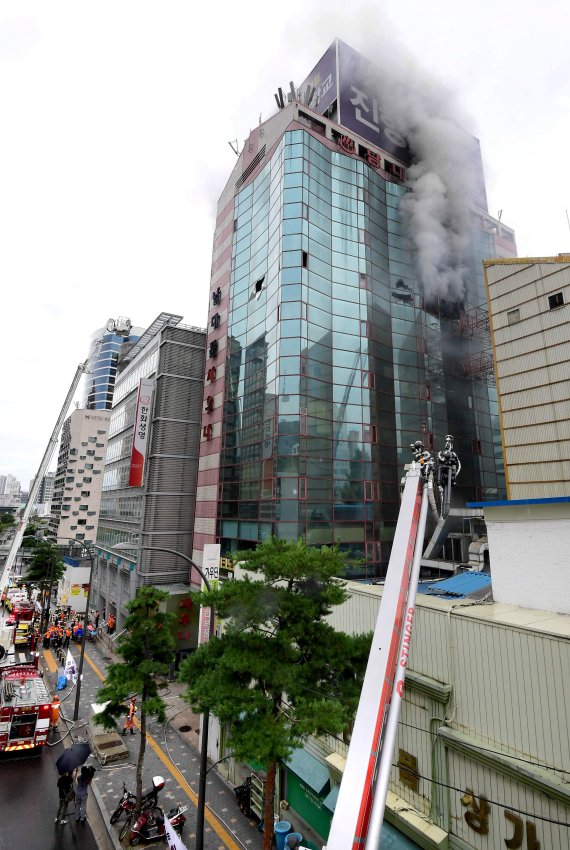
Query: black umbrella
[[72, 757]]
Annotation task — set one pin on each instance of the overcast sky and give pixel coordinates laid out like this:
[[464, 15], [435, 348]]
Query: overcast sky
[[116, 118]]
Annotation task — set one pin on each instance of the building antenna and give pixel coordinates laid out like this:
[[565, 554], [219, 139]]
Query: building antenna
[[234, 146], [567, 219]]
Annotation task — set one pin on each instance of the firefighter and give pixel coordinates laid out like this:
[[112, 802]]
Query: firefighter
[[130, 718], [111, 624], [67, 638], [54, 714]]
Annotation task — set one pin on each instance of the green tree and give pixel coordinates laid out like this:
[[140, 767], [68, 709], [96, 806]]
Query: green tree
[[279, 672], [46, 567], [7, 519], [147, 649]]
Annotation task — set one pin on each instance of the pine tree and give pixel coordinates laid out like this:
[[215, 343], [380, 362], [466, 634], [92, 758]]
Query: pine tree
[[147, 649], [279, 672]]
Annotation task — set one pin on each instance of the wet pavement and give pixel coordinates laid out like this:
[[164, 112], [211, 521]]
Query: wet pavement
[[29, 802], [172, 752]]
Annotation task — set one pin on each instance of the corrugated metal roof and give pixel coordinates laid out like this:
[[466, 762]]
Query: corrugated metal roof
[[551, 500], [458, 587]]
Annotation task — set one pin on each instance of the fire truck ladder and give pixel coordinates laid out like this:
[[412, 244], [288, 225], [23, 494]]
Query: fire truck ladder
[[359, 811]]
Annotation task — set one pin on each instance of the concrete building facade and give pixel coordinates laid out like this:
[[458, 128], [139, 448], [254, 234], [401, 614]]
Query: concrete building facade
[[529, 311], [10, 489], [158, 509], [79, 476]]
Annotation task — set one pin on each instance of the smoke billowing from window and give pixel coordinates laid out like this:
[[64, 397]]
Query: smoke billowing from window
[[443, 181]]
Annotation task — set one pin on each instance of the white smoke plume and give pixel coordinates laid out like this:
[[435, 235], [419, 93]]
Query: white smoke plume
[[443, 180]]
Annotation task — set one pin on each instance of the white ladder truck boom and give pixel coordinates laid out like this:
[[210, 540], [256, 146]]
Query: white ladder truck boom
[[359, 811], [50, 448], [121, 327]]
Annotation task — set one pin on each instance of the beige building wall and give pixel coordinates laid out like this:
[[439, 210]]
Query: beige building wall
[[529, 312], [79, 476]]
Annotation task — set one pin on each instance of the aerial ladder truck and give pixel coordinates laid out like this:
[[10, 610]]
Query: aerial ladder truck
[[121, 327], [359, 811]]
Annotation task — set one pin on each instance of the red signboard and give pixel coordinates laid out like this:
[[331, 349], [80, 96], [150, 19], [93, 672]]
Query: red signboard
[[142, 432]]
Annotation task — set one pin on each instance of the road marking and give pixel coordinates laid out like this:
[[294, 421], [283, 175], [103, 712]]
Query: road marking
[[50, 661], [208, 815]]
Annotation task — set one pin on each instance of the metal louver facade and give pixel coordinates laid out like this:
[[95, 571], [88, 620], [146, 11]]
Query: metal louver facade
[[160, 513], [172, 467]]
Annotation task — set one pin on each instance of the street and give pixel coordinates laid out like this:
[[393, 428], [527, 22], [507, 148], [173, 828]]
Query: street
[[29, 801]]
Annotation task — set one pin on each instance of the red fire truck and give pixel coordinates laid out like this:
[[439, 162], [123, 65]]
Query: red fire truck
[[24, 708]]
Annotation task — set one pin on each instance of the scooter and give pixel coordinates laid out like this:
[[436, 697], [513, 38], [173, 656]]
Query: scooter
[[150, 825], [128, 802]]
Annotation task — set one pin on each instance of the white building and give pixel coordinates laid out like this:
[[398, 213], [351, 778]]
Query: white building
[[79, 474], [529, 311], [10, 489], [74, 585]]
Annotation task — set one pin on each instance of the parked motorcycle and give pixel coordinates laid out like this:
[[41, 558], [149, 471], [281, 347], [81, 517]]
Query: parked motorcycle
[[128, 802], [150, 825]]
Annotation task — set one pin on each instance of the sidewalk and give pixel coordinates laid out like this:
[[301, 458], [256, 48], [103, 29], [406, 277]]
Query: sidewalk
[[172, 752]]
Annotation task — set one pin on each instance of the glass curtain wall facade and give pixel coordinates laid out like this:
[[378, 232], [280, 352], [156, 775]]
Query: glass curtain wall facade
[[104, 351], [335, 364]]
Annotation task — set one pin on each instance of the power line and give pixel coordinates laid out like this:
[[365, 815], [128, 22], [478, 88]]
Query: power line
[[472, 746], [462, 790], [492, 802], [493, 751]]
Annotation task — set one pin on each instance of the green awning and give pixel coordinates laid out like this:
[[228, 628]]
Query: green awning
[[309, 770], [330, 800], [391, 838]]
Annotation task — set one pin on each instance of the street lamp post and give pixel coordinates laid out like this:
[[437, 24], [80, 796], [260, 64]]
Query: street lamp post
[[89, 551], [201, 806]]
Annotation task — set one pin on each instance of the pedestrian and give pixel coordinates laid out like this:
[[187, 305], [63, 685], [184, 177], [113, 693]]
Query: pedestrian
[[96, 619], [54, 713], [66, 795], [111, 624], [82, 792], [130, 718]]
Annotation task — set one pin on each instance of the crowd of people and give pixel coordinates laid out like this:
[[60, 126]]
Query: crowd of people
[[65, 625]]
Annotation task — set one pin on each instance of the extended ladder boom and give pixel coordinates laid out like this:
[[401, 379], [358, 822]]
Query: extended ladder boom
[[361, 800], [359, 810], [52, 443]]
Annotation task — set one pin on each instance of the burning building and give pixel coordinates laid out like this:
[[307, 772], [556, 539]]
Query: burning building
[[346, 314]]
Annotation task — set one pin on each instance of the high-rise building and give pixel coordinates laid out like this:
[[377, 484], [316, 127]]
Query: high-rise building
[[10, 489], [529, 303], [45, 493], [346, 320], [149, 483], [78, 477], [105, 348]]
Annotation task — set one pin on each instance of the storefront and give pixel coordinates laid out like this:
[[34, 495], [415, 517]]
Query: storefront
[[312, 797]]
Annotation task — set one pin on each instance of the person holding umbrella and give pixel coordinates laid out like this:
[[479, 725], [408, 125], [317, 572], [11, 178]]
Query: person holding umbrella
[[82, 792], [73, 757], [66, 795]]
